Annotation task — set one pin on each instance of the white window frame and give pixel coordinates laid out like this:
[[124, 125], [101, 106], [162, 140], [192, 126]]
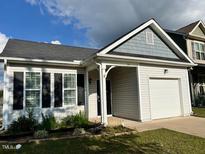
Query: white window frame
[[25, 89], [194, 51], [152, 38], [63, 89]]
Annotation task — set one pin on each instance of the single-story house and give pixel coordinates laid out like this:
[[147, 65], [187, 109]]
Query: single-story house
[[142, 76]]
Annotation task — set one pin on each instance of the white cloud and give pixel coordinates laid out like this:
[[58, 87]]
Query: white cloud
[[32, 2], [55, 42], [3, 41], [105, 20]]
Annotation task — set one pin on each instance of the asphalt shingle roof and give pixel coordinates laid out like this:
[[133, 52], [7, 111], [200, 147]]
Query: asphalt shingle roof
[[188, 28], [45, 51]]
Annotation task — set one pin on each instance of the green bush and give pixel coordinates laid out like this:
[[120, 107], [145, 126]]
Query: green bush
[[41, 134], [24, 124], [76, 121], [48, 122]]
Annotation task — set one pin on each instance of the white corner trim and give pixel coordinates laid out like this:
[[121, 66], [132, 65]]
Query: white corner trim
[[139, 92]]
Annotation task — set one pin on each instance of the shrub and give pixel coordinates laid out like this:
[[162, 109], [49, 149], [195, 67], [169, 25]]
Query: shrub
[[77, 121], [24, 124], [48, 122], [41, 134]]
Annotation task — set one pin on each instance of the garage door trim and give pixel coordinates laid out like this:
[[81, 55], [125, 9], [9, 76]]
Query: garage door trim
[[180, 94]]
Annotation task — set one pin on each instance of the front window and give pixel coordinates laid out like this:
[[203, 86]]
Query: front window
[[69, 89], [32, 89], [198, 50]]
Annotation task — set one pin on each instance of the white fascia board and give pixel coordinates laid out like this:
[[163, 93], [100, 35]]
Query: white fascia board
[[200, 22], [40, 61], [144, 60], [126, 37], [172, 42], [151, 23]]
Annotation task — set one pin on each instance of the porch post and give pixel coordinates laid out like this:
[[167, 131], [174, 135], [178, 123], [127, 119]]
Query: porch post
[[5, 98], [87, 94], [103, 97]]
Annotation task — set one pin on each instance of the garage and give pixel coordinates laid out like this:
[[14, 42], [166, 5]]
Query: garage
[[164, 98]]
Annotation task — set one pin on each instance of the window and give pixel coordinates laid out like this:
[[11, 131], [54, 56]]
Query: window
[[69, 89], [198, 50], [150, 38], [32, 89]]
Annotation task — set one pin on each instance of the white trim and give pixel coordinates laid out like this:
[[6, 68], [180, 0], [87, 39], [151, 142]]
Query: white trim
[[25, 89], [153, 24], [63, 89], [74, 62], [147, 60], [139, 92], [200, 22], [152, 38]]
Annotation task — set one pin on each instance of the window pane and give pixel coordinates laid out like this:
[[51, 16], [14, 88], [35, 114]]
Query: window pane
[[69, 81], [196, 46], [197, 55], [69, 97], [32, 98], [32, 80], [201, 47], [203, 56]]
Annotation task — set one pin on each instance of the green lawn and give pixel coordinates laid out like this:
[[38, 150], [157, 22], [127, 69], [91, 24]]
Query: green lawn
[[156, 141], [199, 112]]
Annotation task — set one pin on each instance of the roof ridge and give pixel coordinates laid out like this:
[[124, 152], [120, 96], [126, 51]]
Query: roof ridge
[[48, 43]]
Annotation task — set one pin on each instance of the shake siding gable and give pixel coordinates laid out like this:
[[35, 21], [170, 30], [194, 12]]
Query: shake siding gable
[[138, 45]]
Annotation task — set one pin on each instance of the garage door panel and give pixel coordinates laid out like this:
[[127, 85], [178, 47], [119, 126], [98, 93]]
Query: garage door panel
[[164, 98]]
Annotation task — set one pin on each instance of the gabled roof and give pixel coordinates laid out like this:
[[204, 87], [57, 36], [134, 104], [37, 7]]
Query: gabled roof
[[187, 29], [45, 51], [155, 26]]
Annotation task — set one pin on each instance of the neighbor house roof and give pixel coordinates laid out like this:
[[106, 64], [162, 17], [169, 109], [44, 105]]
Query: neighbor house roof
[[45, 51], [187, 29]]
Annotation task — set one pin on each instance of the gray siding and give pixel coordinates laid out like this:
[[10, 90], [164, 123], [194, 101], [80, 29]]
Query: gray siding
[[137, 45], [124, 93]]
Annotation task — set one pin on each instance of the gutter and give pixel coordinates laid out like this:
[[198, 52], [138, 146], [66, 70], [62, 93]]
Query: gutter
[[144, 60]]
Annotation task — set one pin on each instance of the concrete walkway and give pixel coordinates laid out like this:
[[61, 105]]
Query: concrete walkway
[[189, 125]]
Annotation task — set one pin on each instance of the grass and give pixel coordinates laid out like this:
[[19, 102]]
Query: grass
[[199, 112], [156, 141]]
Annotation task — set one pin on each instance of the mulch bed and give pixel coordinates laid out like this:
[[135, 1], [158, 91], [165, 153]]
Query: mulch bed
[[58, 134]]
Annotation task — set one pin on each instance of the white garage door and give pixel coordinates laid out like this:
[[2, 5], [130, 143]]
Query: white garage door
[[164, 98]]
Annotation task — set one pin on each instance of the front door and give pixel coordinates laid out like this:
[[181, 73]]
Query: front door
[[108, 92]]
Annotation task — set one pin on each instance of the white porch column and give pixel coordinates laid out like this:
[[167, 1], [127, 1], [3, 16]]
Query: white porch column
[[87, 93], [5, 97], [103, 97]]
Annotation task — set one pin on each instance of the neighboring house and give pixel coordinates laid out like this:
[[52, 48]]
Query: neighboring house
[[191, 39], [143, 75]]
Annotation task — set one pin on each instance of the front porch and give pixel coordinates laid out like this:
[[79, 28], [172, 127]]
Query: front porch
[[112, 91]]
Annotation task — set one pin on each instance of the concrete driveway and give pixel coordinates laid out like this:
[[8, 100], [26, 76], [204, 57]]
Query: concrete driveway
[[189, 125]]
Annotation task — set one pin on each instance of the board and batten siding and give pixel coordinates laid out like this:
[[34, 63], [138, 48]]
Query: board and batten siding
[[125, 93], [146, 72], [58, 112], [139, 46]]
